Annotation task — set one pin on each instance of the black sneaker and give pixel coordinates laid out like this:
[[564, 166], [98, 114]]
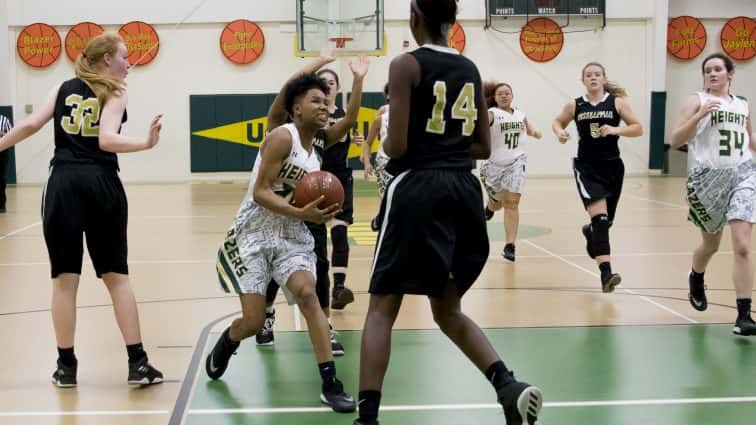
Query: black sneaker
[[143, 373], [489, 214], [509, 252], [359, 421], [217, 361], [588, 235], [744, 326], [340, 297], [64, 376], [336, 347], [521, 402], [265, 335], [697, 294], [609, 281], [336, 398]]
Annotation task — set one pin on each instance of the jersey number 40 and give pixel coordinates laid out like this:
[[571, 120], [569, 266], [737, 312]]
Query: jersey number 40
[[462, 109]]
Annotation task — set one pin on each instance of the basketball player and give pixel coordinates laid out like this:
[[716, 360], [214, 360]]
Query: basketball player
[[84, 196], [598, 169], [269, 239], [433, 239], [379, 126], [336, 161], [503, 174], [331, 134], [721, 185]]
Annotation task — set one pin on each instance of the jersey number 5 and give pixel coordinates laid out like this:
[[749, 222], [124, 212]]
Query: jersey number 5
[[84, 118], [462, 109]]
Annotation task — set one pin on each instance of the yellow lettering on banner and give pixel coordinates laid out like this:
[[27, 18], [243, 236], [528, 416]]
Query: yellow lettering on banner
[[238, 46], [742, 32], [242, 36]]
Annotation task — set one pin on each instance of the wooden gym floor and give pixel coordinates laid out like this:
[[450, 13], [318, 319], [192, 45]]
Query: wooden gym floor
[[639, 355]]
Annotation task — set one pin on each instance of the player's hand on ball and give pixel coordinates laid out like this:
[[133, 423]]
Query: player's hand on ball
[[313, 214]]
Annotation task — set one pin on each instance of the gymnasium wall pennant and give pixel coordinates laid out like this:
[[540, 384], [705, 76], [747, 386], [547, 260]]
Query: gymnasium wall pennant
[[142, 42], [78, 37], [242, 41], [686, 37], [738, 38], [541, 39], [38, 45]]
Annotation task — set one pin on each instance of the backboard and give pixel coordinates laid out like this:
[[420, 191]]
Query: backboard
[[353, 27]]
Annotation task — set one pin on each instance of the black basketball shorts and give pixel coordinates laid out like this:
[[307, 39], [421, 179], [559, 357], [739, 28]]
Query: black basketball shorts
[[85, 200], [433, 229]]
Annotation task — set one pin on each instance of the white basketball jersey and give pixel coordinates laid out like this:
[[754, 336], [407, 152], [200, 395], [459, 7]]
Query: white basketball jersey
[[383, 134], [721, 139], [507, 134], [293, 168]]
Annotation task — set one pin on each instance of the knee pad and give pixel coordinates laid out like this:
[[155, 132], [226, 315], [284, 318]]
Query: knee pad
[[340, 255], [600, 230]]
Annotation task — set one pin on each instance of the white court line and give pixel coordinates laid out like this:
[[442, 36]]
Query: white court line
[[422, 407], [15, 232], [650, 301], [87, 413], [654, 201]]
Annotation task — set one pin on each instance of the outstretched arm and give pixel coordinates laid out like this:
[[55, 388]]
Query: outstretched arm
[[277, 111], [336, 132], [31, 124], [110, 123]]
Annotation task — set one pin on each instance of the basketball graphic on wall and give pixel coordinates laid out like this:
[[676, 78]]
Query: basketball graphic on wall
[[457, 38], [142, 42], [38, 45], [541, 39], [242, 41], [78, 37], [738, 38], [686, 37]]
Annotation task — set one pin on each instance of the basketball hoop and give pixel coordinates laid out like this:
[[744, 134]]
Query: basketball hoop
[[340, 41]]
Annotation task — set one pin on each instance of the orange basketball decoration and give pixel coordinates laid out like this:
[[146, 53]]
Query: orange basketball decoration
[[738, 38], [242, 41], [38, 45], [78, 37], [541, 39], [142, 42], [319, 183], [686, 37], [457, 38]]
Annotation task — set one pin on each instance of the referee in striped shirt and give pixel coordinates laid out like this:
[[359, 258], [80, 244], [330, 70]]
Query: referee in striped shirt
[[5, 126]]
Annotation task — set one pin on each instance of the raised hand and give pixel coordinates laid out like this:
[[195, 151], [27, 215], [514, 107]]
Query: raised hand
[[359, 66], [328, 54], [154, 134]]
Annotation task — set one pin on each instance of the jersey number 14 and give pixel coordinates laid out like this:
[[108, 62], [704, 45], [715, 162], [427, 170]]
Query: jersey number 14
[[462, 109]]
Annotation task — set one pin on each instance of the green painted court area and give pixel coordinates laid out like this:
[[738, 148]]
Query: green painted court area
[[686, 375]]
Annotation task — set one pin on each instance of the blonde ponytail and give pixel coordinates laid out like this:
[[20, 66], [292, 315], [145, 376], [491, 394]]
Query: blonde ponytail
[[86, 67]]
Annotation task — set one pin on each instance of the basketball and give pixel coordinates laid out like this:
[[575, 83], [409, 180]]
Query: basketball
[[457, 38], [38, 45], [541, 39], [142, 42], [242, 41], [317, 183], [78, 37], [738, 38], [686, 37]]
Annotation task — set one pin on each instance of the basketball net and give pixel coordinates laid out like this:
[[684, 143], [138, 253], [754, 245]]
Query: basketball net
[[340, 41]]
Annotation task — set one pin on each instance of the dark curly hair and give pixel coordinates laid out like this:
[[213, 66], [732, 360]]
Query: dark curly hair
[[299, 86]]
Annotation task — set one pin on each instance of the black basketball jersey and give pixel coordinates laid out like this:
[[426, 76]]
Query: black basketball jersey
[[589, 119], [335, 157], [77, 126], [443, 112]]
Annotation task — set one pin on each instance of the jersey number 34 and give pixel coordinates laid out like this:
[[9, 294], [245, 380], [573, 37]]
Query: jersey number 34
[[462, 109]]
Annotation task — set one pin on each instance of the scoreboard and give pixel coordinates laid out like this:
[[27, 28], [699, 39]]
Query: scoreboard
[[504, 8]]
